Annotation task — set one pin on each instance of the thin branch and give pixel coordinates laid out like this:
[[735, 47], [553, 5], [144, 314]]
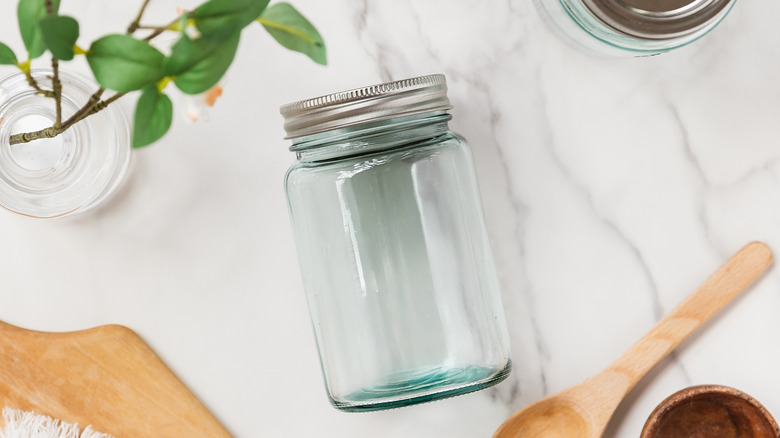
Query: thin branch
[[56, 85], [159, 30], [49, 132], [147, 27], [34, 84], [135, 25], [93, 105], [57, 89], [103, 104], [84, 111]]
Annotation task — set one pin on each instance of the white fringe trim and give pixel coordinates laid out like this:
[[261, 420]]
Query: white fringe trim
[[21, 424]]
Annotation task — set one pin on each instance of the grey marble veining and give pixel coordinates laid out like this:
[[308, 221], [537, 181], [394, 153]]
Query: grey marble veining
[[611, 189]]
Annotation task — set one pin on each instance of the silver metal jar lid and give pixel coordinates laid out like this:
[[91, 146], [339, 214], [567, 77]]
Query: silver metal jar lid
[[658, 19], [368, 104]]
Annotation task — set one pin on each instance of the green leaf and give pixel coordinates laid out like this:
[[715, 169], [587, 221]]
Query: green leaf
[[123, 63], [29, 13], [227, 14], [60, 34], [153, 116], [187, 52], [199, 64], [293, 31], [7, 55]]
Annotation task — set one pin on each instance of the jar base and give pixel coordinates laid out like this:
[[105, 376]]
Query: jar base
[[421, 386]]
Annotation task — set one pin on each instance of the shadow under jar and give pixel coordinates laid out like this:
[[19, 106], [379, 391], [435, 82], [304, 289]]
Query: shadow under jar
[[393, 248], [633, 27]]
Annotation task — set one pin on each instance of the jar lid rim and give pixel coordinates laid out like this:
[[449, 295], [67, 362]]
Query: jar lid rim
[[660, 20], [360, 105]]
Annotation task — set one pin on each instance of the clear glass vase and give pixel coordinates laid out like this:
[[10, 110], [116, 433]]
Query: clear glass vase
[[393, 247], [68, 174]]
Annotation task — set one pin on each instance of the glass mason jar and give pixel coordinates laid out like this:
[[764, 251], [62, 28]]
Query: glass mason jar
[[396, 264], [67, 174], [633, 27]]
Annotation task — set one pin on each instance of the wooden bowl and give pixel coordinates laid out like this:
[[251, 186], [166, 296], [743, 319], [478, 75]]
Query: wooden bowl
[[710, 411]]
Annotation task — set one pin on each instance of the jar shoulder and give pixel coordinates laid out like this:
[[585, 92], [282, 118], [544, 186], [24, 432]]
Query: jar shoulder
[[433, 149]]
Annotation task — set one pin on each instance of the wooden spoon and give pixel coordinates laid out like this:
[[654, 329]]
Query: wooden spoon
[[584, 410]]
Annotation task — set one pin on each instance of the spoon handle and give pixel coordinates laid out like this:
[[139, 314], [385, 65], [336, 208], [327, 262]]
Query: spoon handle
[[698, 308]]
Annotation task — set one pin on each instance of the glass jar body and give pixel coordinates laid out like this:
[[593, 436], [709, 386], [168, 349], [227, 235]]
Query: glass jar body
[[397, 267], [71, 173], [573, 21]]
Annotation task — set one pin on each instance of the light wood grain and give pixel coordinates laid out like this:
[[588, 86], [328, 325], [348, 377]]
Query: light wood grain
[[584, 410], [106, 376]]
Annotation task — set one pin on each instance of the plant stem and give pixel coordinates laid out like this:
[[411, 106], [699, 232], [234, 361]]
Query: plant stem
[[135, 25], [34, 84], [57, 89], [100, 106], [83, 112], [159, 30], [147, 27], [93, 106], [56, 85]]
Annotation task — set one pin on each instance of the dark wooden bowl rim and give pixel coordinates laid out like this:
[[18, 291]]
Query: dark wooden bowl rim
[[737, 403]]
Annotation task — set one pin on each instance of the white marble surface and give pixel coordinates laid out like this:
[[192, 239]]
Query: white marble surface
[[612, 188]]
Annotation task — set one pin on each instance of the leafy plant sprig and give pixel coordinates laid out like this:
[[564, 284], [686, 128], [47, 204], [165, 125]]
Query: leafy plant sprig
[[123, 63]]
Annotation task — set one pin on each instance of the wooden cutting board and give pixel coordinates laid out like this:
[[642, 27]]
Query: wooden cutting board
[[106, 377]]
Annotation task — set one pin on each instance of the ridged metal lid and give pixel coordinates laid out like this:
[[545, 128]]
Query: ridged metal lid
[[658, 19], [377, 102]]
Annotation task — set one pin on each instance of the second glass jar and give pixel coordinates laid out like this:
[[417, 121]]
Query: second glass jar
[[633, 27]]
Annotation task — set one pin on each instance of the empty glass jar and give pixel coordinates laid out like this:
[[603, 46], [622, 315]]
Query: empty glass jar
[[393, 248], [634, 27]]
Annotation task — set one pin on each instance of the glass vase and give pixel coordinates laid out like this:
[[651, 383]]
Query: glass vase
[[68, 174]]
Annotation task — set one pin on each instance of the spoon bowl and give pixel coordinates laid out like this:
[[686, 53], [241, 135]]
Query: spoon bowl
[[584, 410], [548, 418]]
